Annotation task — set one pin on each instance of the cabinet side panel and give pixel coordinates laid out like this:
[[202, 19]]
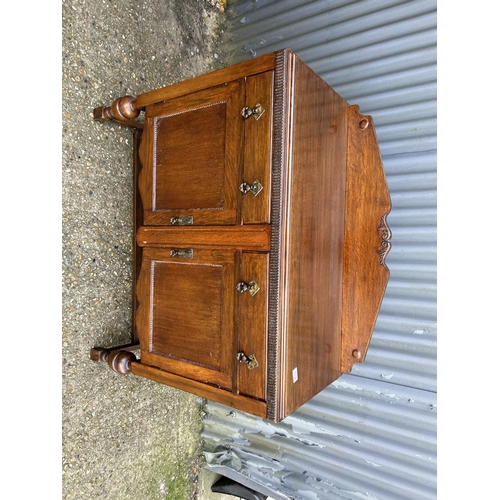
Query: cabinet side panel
[[314, 238]]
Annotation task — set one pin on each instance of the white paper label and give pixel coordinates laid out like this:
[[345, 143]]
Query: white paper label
[[295, 375]]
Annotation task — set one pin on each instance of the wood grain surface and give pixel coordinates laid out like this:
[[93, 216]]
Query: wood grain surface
[[257, 148], [186, 317], [314, 239], [250, 237], [365, 275]]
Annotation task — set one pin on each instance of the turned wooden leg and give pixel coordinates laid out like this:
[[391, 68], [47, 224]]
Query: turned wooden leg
[[118, 359], [122, 111]]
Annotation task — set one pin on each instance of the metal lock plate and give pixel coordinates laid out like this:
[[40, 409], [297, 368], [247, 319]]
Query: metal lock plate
[[183, 253], [183, 220]]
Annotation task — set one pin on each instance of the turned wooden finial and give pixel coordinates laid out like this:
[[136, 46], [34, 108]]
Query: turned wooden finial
[[123, 109], [118, 360]]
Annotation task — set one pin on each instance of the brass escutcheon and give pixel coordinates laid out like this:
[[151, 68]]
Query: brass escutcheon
[[183, 253], [183, 220]]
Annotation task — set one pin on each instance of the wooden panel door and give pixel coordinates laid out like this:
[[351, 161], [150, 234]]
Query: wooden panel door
[[186, 317], [258, 148], [253, 320], [192, 153]]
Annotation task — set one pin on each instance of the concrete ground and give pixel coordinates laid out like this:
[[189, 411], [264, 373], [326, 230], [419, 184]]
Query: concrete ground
[[123, 437]]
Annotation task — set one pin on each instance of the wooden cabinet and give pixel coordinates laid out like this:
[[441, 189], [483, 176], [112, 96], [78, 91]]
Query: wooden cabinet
[[260, 235]]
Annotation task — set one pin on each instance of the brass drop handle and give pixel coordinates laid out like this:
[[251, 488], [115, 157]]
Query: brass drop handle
[[250, 360], [255, 188], [251, 287], [256, 111]]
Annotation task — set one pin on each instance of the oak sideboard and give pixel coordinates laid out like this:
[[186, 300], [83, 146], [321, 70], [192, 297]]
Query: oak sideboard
[[260, 235]]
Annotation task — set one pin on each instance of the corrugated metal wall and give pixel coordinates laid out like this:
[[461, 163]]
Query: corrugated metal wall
[[371, 434]]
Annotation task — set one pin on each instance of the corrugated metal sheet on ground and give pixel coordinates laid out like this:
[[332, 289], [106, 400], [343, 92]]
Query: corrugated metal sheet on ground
[[350, 439], [371, 434]]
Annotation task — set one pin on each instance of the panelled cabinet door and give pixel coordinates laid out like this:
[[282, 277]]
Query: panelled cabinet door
[[186, 316], [191, 154], [252, 338], [258, 148]]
